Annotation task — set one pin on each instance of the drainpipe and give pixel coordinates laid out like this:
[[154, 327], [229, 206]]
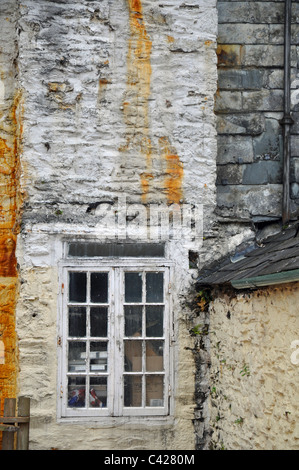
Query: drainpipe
[[287, 120]]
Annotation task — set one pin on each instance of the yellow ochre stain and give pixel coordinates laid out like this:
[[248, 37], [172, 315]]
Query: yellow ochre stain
[[10, 214], [138, 88], [136, 108], [174, 171]]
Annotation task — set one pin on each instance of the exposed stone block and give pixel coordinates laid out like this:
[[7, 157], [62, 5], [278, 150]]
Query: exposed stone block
[[229, 174], [258, 202], [268, 146], [275, 78], [229, 55], [264, 100], [241, 79], [242, 33], [234, 149], [227, 101], [295, 145], [262, 172], [248, 124], [251, 12], [294, 170], [263, 55]]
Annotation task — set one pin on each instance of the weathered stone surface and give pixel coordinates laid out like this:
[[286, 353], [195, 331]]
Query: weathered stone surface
[[252, 366], [119, 103], [247, 124], [265, 100], [262, 55], [264, 172], [229, 174], [251, 12], [243, 33], [268, 146], [295, 170], [228, 101], [255, 202], [250, 60], [241, 79], [234, 149], [11, 193], [229, 55]]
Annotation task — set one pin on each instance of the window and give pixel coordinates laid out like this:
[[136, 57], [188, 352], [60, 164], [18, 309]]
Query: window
[[115, 339]]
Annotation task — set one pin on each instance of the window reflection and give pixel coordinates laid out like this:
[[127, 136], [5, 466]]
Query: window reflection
[[132, 390], [133, 320], [99, 287], [99, 321], [154, 356], [133, 356], [154, 390], [133, 287], [154, 287], [77, 287], [154, 320], [77, 321]]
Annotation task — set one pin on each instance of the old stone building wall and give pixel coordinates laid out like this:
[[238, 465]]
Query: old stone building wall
[[253, 334], [11, 102], [254, 372], [249, 107], [118, 107], [109, 108]]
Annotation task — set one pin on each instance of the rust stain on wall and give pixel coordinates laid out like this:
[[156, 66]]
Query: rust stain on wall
[[229, 54], [174, 172], [136, 110], [10, 215]]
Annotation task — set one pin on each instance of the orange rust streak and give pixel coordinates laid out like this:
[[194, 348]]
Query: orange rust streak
[[135, 5], [138, 88], [10, 208], [136, 109], [145, 183], [8, 264], [175, 173], [174, 182]]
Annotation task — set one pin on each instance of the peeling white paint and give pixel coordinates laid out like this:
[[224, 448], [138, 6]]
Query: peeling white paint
[[78, 153]]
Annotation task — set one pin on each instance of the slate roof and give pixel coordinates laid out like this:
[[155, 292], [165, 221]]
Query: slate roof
[[274, 261]]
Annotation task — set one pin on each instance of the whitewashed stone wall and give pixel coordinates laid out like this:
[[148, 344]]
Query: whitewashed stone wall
[[254, 372], [114, 105]]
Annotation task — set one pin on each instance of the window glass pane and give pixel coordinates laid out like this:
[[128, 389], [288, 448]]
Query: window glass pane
[[154, 356], [77, 287], [77, 321], [154, 320], [77, 355], [76, 392], [133, 356], [99, 321], [154, 287], [154, 390], [99, 287], [133, 287], [98, 356], [132, 390], [133, 320], [98, 392]]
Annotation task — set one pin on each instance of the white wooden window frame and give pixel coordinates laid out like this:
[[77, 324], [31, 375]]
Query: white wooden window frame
[[115, 373]]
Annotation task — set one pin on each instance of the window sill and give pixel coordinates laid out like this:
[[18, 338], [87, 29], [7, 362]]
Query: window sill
[[111, 421]]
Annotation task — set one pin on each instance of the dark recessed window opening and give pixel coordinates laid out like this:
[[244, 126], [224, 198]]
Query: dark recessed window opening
[[116, 250]]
